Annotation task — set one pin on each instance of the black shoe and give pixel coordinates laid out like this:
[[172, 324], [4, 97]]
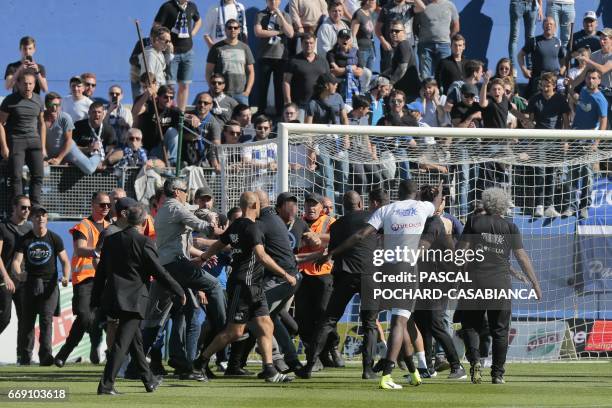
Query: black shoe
[[106, 391], [94, 356], [368, 373], [441, 364], [208, 373], [237, 372], [152, 386], [337, 358], [46, 362], [425, 373], [59, 363], [293, 366], [457, 373], [281, 366], [378, 367], [305, 372], [24, 362], [158, 369], [193, 376], [326, 360], [498, 379]]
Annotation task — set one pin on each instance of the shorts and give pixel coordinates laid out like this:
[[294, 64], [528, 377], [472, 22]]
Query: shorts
[[401, 312], [241, 305], [181, 68]]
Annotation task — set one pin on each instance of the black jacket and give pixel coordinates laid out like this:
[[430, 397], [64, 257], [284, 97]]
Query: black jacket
[[121, 283]]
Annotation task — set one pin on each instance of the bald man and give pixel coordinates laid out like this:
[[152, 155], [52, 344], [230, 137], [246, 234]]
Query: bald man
[[245, 287], [347, 272]]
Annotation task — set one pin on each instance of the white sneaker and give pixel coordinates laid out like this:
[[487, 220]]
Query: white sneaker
[[567, 213], [551, 212], [584, 213], [539, 211]]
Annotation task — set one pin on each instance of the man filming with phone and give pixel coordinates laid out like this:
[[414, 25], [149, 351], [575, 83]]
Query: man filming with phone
[[27, 47]]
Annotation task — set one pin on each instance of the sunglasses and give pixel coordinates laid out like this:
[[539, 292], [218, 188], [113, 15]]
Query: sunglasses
[[468, 96], [235, 133], [54, 105], [169, 97], [26, 207], [204, 103], [396, 31], [218, 82], [104, 205], [115, 94], [233, 28], [90, 84], [133, 139]]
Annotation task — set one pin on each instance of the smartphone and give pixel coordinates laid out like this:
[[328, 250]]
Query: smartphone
[[115, 99], [28, 58]]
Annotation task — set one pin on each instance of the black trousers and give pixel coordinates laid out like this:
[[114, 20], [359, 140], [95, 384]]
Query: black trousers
[[6, 300], [270, 67], [42, 306], [344, 287], [431, 325], [87, 320], [128, 337], [26, 151], [499, 325], [311, 301]]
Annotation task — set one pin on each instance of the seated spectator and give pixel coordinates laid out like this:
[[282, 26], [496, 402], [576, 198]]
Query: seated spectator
[[362, 27], [467, 112], [472, 75], [90, 83], [223, 105], [434, 114], [327, 33], [200, 146], [290, 112], [450, 69], [402, 73], [344, 64], [234, 59], [217, 17], [27, 48], [132, 154], [76, 104], [90, 134], [242, 115], [148, 88], [117, 115], [157, 61], [146, 121]]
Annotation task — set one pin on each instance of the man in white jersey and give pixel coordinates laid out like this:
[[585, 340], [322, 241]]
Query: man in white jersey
[[402, 223]]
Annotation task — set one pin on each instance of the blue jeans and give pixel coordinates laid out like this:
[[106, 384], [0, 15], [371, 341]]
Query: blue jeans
[[430, 54], [240, 98], [171, 144], [366, 58], [527, 11], [181, 68], [87, 165], [564, 15]]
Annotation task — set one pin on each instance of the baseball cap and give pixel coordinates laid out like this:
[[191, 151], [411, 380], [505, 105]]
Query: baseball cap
[[203, 192], [38, 208], [327, 78], [380, 81], [469, 89], [124, 203], [416, 106], [590, 15], [313, 197], [284, 197], [344, 33]]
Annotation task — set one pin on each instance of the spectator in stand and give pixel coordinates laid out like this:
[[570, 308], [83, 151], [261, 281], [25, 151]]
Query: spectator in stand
[[302, 74], [472, 75], [261, 159], [76, 104], [379, 90], [362, 27], [547, 55], [234, 59], [131, 154], [504, 69], [146, 121], [156, 55], [588, 37], [437, 24], [395, 10], [273, 28], [231, 136], [182, 18], [117, 115], [402, 72], [218, 17], [201, 146], [451, 68], [547, 109], [92, 137], [223, 105], [306, 16], [591, 113], [344, 64], [528, 11], [135, 76], [602, 61], [23, 135], [90, 83], [327, 33], [27, 47], [61, 148], [563, 12], [242, 114], [147, 86], [290, 112]]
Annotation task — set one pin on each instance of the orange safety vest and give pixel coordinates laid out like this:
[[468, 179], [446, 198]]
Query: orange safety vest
[[149, 228], [320, 226], [82, 267]]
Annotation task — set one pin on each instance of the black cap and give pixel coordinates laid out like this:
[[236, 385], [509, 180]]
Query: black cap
[[344, 33], [38, 208], [124, 203], [76, 79], [284, 197], [469, 89], [313, 197], [203, 192], [327, 78]]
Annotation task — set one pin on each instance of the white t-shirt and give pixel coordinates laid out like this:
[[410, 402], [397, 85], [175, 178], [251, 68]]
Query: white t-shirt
[[402, 222], [76, 109], [261, 155]]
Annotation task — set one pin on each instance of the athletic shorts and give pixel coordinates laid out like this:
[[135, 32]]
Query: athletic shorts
[[242, 307]]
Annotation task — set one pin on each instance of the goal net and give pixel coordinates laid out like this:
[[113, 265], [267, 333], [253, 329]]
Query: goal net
[[560, 184]]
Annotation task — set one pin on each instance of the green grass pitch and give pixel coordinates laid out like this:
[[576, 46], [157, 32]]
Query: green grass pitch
[[528, 385]]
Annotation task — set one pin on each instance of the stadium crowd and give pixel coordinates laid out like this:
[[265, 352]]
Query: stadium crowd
[[324, 68]]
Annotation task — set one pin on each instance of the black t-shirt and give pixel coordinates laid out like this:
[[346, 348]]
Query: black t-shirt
[[296, 229], [358, 259], [462, 111], [276, 241], [40, 254], [435, 233], [583, 40], [10, 234], [179, 22], [304, 76], [409, 83], [448, 71], [23, 115], [495, 115], [169, 117], [83, 134], [243, 235], [13, 67], [497, 237], [548, 114]]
